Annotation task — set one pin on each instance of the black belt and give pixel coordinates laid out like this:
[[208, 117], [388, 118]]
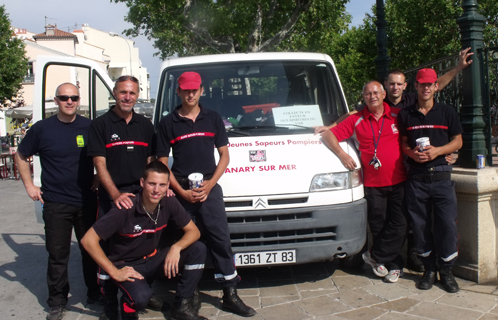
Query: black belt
[[431, 177]]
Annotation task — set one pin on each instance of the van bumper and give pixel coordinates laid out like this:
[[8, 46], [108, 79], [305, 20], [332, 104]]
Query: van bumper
[[316, 233]]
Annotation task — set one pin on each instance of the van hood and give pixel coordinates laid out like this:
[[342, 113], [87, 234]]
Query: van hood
[[283, 164]]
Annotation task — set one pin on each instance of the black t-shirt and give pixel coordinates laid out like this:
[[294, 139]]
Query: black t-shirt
[[407, 100], [192, 142], [67, 170], [439, 125], [126, 146], [132, 233]]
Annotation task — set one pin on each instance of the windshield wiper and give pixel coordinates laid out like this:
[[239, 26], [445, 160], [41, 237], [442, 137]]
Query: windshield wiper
[[259, 127], [295, 125], [242, 133]]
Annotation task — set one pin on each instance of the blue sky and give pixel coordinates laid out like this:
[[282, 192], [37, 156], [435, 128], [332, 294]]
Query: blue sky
[[108, 16]]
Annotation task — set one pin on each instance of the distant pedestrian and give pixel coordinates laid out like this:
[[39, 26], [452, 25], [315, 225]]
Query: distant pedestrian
[[66, 195]]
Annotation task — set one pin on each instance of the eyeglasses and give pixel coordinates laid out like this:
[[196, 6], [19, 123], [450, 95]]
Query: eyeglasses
[[65, 98]]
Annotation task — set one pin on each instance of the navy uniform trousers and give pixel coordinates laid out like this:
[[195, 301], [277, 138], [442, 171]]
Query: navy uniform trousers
[[432, 207], [136, 294], [211, 219]]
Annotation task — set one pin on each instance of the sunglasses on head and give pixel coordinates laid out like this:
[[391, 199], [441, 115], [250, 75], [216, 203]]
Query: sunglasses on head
[[65, 98]]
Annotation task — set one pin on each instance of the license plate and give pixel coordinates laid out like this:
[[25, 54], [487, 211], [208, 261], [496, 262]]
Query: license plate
[[264, 258]]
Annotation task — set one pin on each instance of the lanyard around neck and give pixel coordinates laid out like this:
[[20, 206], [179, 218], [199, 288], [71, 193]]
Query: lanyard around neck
[[376, 143]]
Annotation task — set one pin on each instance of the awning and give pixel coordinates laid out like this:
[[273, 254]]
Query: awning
[[27, 111]]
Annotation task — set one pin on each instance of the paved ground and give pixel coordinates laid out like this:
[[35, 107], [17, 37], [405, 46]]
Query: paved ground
[[313, 291]]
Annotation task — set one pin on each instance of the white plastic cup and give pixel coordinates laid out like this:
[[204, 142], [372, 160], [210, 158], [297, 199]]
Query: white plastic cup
[[195, 180], [422, 143]]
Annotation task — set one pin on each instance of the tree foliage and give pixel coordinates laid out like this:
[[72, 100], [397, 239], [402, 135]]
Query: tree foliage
[[191, 27], [14, 64], [417, 31]]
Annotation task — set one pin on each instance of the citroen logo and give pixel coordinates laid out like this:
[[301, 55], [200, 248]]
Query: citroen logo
[[260, 202]]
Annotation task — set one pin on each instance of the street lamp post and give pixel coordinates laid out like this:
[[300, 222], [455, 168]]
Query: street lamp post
[[382, 61], [471, 113], [114, 34]]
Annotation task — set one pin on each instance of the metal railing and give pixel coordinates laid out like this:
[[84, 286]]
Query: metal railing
[[489, 66]]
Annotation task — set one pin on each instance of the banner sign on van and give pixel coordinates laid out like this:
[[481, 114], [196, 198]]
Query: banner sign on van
[[307, 116]]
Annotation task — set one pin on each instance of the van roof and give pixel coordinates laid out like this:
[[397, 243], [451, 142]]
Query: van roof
[[255, 56]]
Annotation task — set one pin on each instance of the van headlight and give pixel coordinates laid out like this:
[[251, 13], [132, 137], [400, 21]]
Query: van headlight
[[336, 181]]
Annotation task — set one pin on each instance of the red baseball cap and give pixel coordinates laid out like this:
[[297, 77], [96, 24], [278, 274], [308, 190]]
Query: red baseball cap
[[189, 81], [426, 75]]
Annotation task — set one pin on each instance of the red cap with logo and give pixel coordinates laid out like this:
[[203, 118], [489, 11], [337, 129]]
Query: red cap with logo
[[189, 81], [426, 75]]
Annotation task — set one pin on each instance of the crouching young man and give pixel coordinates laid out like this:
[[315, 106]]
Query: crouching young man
[[134, 260]]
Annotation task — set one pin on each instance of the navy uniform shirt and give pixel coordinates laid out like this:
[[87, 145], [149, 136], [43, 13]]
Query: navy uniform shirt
[[132, 233], [192, 142], [439, 125], [126, 146], [67, 170]]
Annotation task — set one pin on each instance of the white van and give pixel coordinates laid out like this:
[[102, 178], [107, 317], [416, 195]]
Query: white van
[[288, 198]]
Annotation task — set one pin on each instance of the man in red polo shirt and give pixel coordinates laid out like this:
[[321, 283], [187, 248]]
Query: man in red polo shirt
[[384, 173]]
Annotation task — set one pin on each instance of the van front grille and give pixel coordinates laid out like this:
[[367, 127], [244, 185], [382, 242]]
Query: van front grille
[[270, 218], [283, 237], [272, 202]]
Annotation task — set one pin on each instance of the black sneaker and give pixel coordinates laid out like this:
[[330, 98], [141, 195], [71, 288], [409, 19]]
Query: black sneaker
[[56, 313], [448, 280]]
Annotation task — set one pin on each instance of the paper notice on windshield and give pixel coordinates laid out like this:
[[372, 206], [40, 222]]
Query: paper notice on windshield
[[307, 116]]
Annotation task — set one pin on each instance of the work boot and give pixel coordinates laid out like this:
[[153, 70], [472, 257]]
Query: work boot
[[232, 302], [56, 313], [129, 316], [196, 301], [155, 303], [428, 280], [448, 280], [183, 310], [413, 261], [110, 309]]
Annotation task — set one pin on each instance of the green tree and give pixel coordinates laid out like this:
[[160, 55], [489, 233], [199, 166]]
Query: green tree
[[417, 31], [14, 64], [191, 27], [354, 54]]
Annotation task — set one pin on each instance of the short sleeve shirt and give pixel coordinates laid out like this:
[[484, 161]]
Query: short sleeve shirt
[[67, 170], [439, 125], [126, 146], [132, 233], [192, 142], [365, 126]]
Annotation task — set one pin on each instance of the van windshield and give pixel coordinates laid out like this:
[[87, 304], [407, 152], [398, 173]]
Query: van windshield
[[262, 97]]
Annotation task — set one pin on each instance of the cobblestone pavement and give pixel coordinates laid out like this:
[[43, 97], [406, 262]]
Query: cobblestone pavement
[[311, 291]]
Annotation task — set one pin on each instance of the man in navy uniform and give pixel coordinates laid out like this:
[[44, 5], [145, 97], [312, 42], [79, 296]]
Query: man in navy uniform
[[433, 204], [133, 259], [193, 132], [66, 195]]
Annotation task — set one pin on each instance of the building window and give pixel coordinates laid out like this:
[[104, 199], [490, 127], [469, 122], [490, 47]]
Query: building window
[[30, 76]]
